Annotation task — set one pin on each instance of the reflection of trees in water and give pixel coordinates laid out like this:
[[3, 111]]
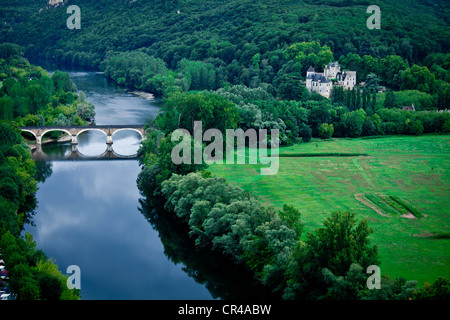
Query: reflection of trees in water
[[29, 209], [57, 149], [222, 277], [43, 171]]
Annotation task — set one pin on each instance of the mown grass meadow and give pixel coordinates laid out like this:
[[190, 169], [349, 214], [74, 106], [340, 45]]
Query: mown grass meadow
[[413, 170]]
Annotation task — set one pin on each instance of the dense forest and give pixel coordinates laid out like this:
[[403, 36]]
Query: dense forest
[[207, 45], [30, 96], [225, 30]]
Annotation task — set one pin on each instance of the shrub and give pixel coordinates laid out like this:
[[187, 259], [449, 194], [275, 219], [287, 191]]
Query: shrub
[[415, 127], [326, 131]]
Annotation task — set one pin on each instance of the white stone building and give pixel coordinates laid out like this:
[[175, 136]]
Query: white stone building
[[322, 82]]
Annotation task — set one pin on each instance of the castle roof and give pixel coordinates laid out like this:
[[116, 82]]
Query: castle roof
[[311, 69], [332, 65], [318, 77]]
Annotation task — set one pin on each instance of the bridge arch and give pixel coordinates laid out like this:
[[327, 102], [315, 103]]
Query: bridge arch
[[129, 129], [54, 129], [30, 131], [92, 129]]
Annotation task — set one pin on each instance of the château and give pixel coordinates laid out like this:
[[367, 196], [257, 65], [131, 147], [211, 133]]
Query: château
[[322, 83]]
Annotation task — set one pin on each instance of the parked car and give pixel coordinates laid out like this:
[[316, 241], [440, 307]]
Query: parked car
[[4, 275], [6, 296], [6, 289]]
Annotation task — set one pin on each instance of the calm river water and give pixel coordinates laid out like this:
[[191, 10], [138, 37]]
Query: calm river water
[[88, 212]]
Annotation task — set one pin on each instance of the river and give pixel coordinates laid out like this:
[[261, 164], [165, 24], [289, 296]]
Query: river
[[88, 212]]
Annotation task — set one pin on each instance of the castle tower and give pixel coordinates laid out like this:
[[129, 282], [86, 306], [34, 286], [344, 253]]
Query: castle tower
[[309, 76], [331, 70]]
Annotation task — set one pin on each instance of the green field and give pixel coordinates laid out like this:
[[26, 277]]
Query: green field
[[414, 171]]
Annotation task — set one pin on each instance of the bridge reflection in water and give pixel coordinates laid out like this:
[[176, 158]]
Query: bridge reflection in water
[[74, 131], [38, 154]]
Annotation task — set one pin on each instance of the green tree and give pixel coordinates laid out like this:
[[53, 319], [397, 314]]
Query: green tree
[[199, 75], [439, 290], [365, 98], [418, 78], [6, 108], [353, 122], [288, 81], [61, 81], [86, 111], [340, 243], [23, 283], [348, 287], [335, 247], [213, 110], [310, 54], [50, 287], [9, 50], [305, 132], [372, 82], [326, 131], [390, 100], [391, 69], [291, 216], [38, 96], [415, 127]]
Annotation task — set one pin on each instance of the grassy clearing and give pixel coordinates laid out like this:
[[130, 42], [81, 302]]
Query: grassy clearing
[[415, 170]]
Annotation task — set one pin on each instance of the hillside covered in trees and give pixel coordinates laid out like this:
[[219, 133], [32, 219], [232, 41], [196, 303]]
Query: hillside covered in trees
[[224, 30], [208, 45]]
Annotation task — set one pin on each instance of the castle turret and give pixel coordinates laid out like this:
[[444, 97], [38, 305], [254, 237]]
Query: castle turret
[[332, 69], [310, 71]]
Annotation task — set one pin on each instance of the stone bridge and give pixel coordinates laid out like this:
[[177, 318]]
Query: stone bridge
[[74, 131]]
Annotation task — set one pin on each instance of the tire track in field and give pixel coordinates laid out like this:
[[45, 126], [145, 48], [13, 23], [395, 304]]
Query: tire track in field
[[363, 172]]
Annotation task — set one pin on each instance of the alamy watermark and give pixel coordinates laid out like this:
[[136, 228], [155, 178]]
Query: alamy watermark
[[258, 142], [74, 21], [374, 281], [374, 21], [74, 280]]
